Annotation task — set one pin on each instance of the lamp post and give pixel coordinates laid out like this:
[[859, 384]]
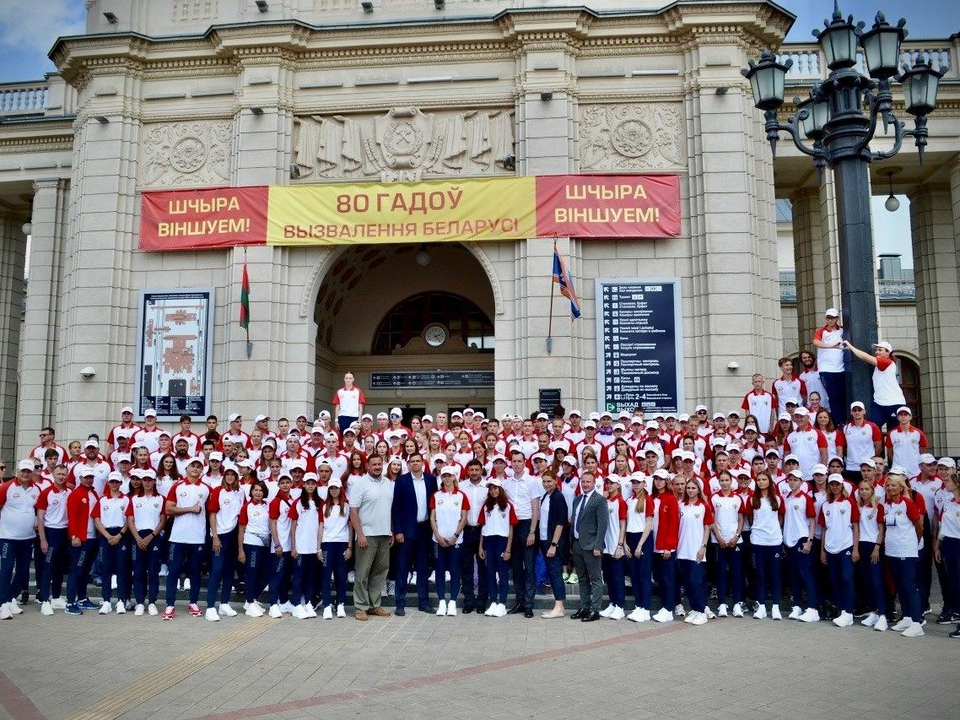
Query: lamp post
[[840, 119]]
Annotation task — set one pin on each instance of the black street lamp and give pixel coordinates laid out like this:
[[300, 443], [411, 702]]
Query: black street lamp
[[840, 118]]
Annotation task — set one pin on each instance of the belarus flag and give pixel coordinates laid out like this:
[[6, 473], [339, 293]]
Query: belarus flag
[[562, 278]]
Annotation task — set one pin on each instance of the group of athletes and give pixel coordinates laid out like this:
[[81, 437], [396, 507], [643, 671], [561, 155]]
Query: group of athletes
[[855, 514]]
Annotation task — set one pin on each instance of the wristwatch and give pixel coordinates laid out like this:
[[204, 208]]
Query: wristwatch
[[553, 544]]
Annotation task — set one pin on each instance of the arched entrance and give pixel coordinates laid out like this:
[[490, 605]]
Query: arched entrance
[[909, 372], [413, 323]]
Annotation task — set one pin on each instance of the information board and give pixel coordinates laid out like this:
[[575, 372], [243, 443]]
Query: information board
[[639, 344], [438, 379], [174, 352], [549, 399]]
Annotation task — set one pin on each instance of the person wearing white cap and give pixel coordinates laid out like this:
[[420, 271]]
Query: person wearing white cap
[[868, 570], [887, 393], [253, 546], [336, 546], [110, 520], [862, 437], [223, 507], [840, 519], [149, 433], [18, 501], [766, 540], [830, 363], [806, 442], [83, 542], [448, 516], [145, 521], [800, 516], [187, 503], [575, 433], [931, 483], [235, 434], [52, 530], [946, 547], [788, 385], [903, 528], [497, 519], [305, 532], [127, 426], [348, 403], [905, 443], [281, 568]]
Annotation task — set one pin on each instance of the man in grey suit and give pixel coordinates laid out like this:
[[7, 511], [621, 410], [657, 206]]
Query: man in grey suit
[[589, 525]]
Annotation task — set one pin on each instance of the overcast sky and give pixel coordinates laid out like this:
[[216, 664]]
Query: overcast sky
[[29, 29]]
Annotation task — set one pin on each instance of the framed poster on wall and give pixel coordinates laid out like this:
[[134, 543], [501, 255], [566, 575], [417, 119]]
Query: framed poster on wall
[[639, 344], [175, 352]]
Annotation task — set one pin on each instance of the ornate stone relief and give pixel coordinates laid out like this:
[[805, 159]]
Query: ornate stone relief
[[186, 153], [404, 144], [631, 137]]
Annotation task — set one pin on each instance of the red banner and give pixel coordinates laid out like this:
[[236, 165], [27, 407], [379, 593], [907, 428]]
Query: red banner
[[579, 206], [584, 206], [202, 219]]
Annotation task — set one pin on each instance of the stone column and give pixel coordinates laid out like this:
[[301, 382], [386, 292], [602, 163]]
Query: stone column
[[815, 249], [935, 224], [545, 146], [36, 404], [735, 287], [13, 245]]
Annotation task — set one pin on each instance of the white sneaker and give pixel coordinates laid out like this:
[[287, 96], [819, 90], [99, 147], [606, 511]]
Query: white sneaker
[[442, 608], [691, 616], [287, 607], [678, 611], [634, 615], [138, 610], [186, 583], [722, 610], [46, 608], [328, 612], [58, 603], [870, 620], [709, 613], [738, 610], [845, 620], [775, 612], [617, 613], [663, 615], [915, 630], [903, 624], [451, 609], [15, 608], [644, 615], [300, 612], [491, 611], [164, 571], [152, 610], [341, 612], [105, 608], [795, 613], [275, 612], [5, 613], [881, 624], [432, 577], [699, 619], [121, 608], [227, 611], [253, 610], [760, 613], [212, 615], [607, 611], [501, 610], [308, 608], [810, 615]]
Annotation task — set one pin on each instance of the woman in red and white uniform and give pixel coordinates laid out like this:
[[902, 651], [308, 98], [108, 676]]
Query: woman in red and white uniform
[[639, 546], [799, 519], [696, 520], [766, 541], [887, 394], [110, 520], [281, 572], [840, 519], [223, 507], [666, 528], [620, 470], [348, 403], [946, 548], [305, 526], [613, 559], [868, 570], [448, 515], [727, 538], [336, 544], [253, 539], [836, 440], [145, 521], [54, 546], [903, 526], [497, 519]]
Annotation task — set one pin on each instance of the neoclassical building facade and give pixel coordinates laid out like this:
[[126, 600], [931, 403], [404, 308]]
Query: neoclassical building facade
[[177, 95]]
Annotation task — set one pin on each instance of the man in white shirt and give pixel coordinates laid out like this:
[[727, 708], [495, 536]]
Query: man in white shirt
[[830, 364], [521, 490], [476, 491]]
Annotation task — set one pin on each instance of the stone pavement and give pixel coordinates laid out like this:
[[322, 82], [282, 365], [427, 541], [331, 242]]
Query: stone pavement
[[466, 667]]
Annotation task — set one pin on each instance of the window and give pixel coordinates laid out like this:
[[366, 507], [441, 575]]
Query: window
[[910, 383], [407, 320]]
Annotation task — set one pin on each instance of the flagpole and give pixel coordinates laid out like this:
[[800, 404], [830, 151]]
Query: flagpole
[[552, 293], [247, 328]]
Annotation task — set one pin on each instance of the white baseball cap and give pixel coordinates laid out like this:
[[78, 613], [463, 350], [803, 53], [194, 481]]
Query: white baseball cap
[[652, 425], [540, 416], [324, 414], [620, 427], [590, 424], [868, 462], [238, 416], [93, 444], [928, 459], [885, 345], [382, 416], [570, 459], [367, 416], [216, 455], [149, 412], [857, 404], [947, 462], [427, 418], [127, 409], [28, 465], [832, 312], [448, 470], [331, 436], [335, 482], [495, 482], [791, 458], [310, 477], [396, 411], [819, 469], [700, 408], [904, 409], [576, 412], [835, 477], [261, 418], [469, 410]]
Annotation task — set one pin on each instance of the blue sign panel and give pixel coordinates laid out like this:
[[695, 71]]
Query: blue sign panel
[[639, 345]]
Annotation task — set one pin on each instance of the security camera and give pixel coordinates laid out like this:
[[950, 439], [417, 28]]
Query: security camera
[[733, 366], [88, 372]]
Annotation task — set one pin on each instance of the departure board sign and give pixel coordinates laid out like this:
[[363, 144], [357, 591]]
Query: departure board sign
[[438, 379], [639, 344]]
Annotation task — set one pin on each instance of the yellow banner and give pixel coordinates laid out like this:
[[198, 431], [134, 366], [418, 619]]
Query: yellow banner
[[429, 211]]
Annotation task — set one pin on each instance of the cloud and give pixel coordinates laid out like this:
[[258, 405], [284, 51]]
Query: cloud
[[30, 27]]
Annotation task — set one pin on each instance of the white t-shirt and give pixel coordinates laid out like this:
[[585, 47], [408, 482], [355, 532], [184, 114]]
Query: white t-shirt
[[189, 528], [829, 360], [886, 389], [349, 401]]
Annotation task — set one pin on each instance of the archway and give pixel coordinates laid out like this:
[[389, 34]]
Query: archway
[[909, 372], [415, 327]]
